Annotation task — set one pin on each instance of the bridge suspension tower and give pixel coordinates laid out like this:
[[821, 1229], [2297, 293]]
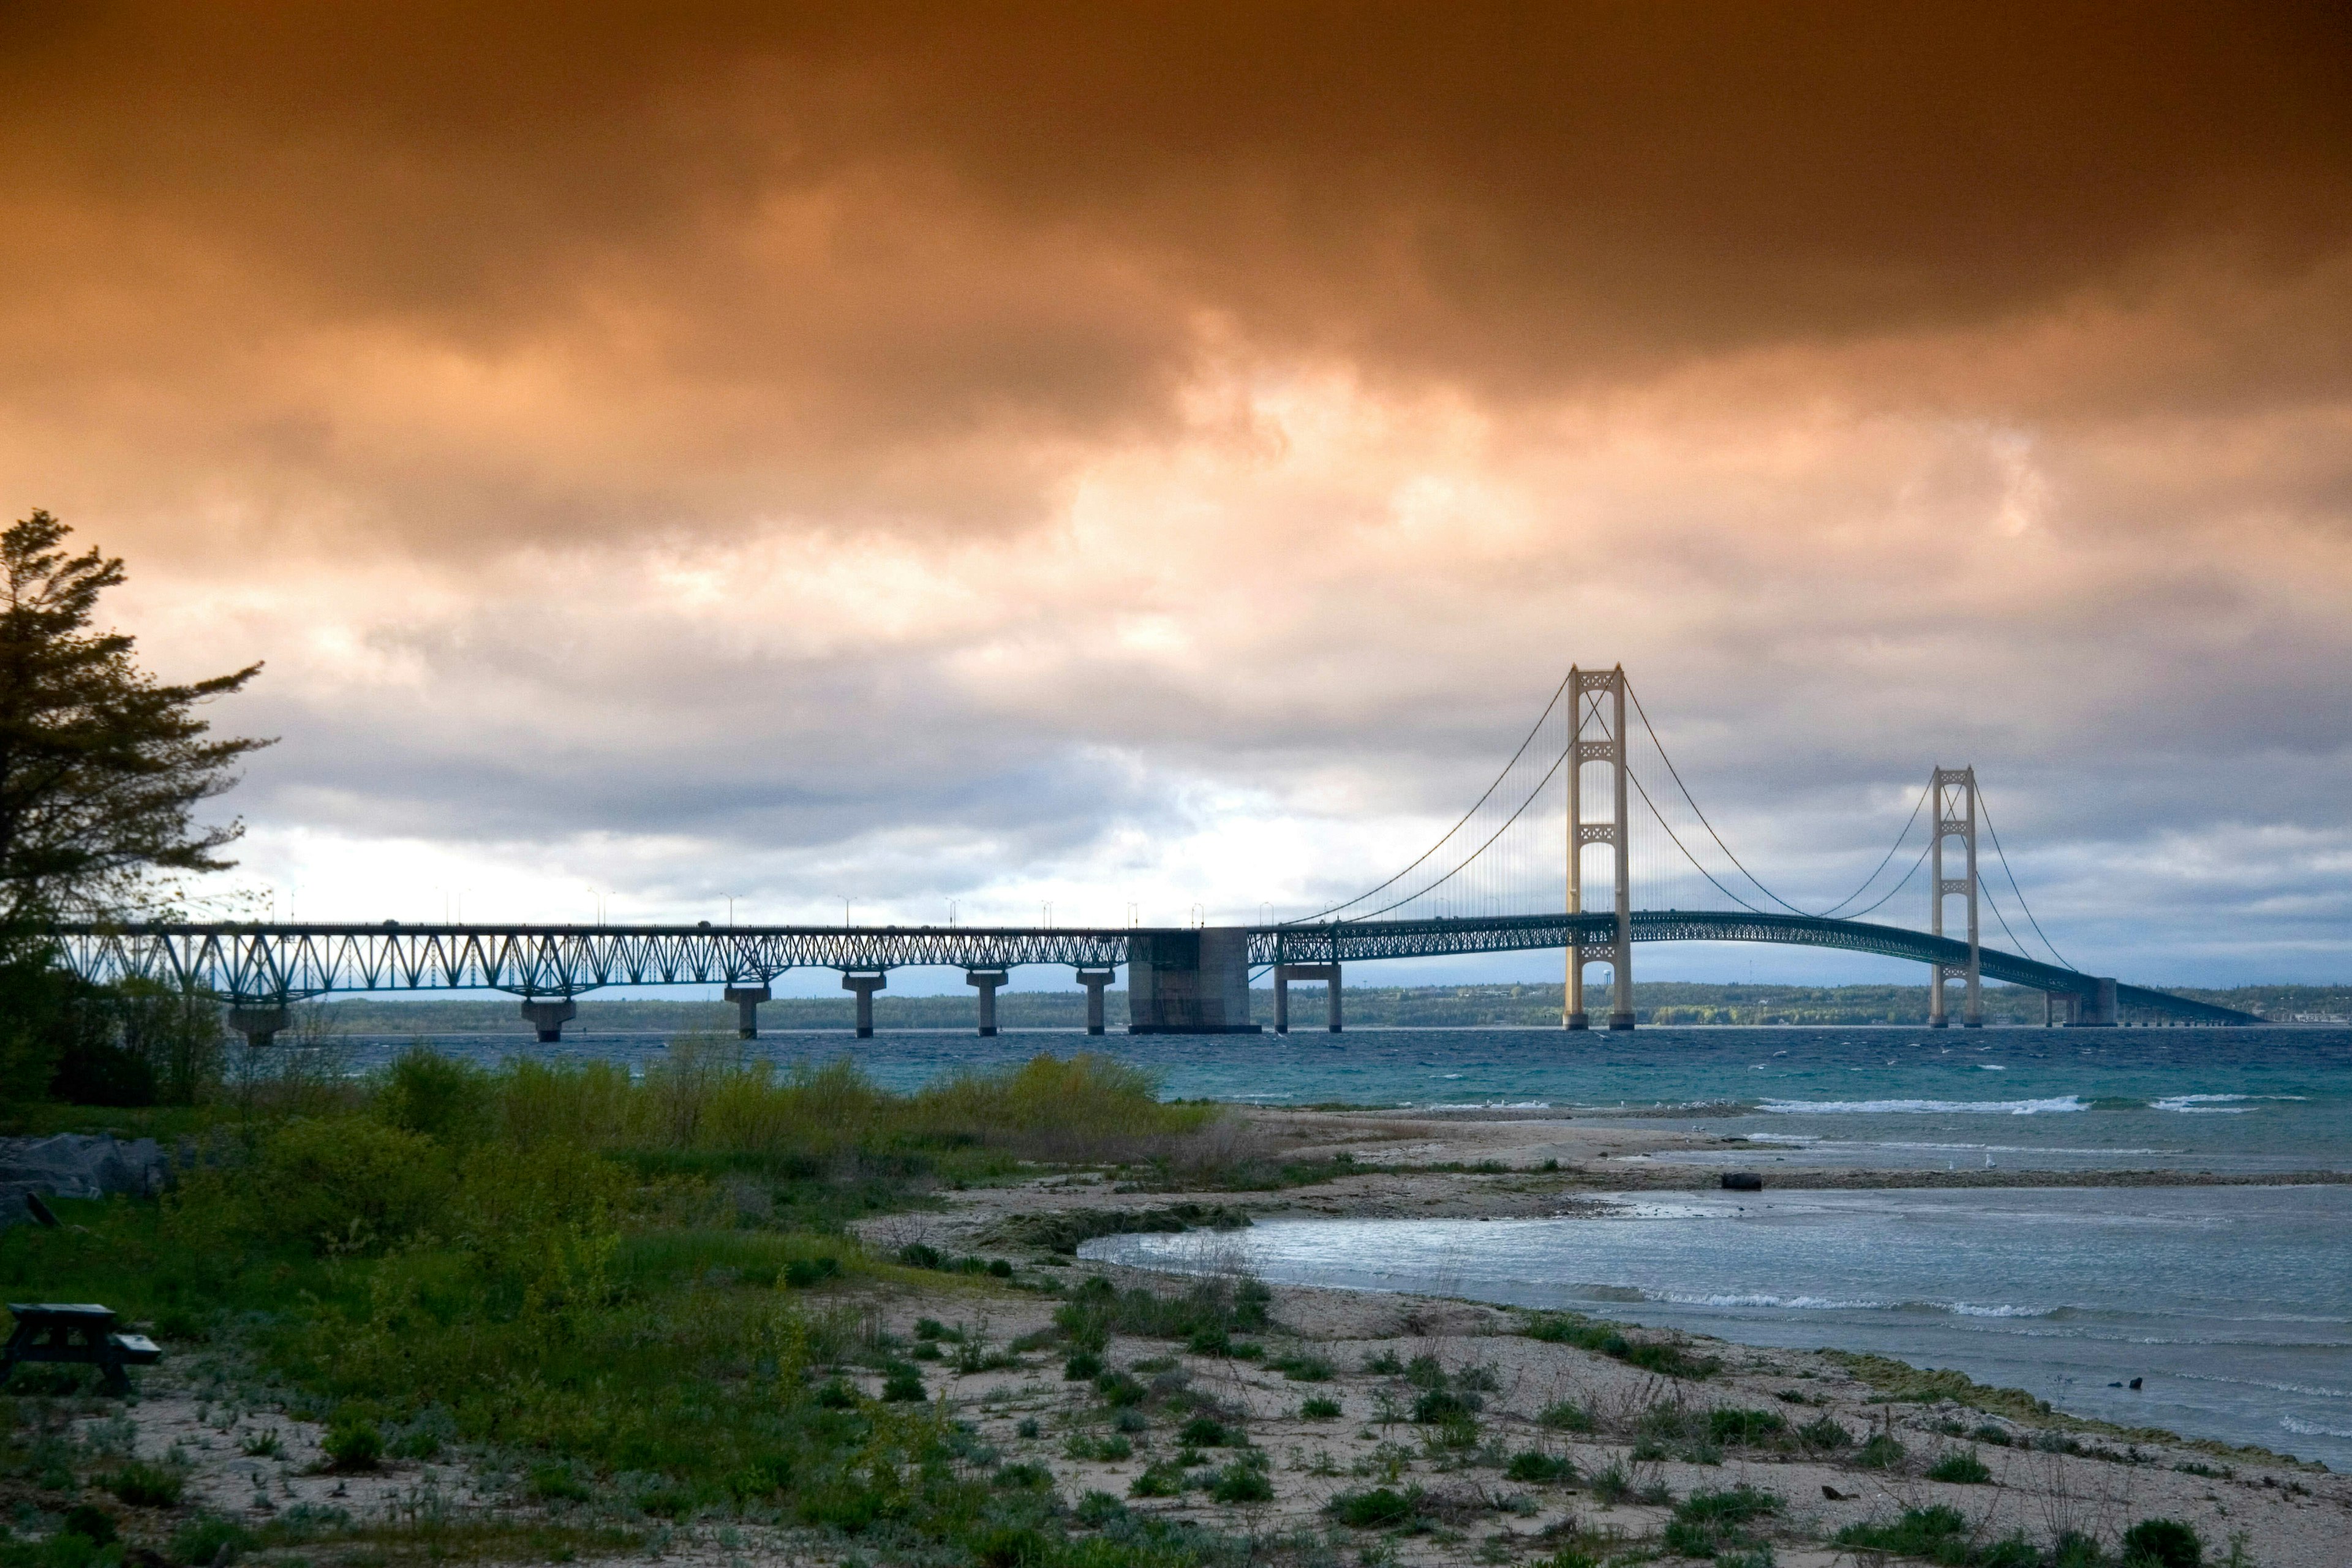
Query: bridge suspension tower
[[1596, 733], [1955, 791]]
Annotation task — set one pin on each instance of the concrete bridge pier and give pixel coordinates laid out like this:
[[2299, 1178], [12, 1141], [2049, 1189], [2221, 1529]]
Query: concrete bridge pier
[[259, 1024], [549, 1017], [988, 980], [747, 1000], [1094, 980], [865, 986], [1189, 981], [1284, 974], [2093, 1009]]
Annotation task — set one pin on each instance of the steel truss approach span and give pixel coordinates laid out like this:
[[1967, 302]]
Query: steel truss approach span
[[272, 965]]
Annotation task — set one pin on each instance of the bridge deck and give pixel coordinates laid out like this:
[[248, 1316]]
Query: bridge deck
[[271, 963]]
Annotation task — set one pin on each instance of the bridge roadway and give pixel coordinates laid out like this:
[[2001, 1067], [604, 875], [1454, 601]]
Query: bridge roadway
[[265, 967]]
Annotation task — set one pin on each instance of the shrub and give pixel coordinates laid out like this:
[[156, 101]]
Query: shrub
[[556, 1483], [1108, 1449], [1097, 1509], [1533, 1465], [1119, 1390], [354, 1444], [2162, 1543], [1032, 1477], [1379, 1509], [1711, 1523], [1303, 1368], [1203, 1432], [1727, 1426], [932, 1329], [1883, 1452], [1242, 1483], [1825, 1432], [1920, 1533], [903, 1387], [1440, 1406], [1566, 1416], [208, 1541], [89, 1521], [344, 1184], [806, 1273], [450, 1102], [1384, 1364], [1426, 1371], [918, 1255], [1665, 1359], [1081, 1366], [1210, 1339], [143, 1485], [1962, 1468], [1318, 1408], [1161, 1477], [836, 1394], [1997, 1435]]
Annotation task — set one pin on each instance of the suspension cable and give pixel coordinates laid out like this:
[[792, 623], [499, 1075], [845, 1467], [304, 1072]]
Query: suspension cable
[[1374, 892], [1532, 795], [1744, 871], [1679, 843], [2002, 856]]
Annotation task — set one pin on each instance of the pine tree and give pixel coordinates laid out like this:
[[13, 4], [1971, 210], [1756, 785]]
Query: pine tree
[[101, 766]]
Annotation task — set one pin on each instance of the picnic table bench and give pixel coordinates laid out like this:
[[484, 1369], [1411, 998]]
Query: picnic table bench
[[75, 1331]]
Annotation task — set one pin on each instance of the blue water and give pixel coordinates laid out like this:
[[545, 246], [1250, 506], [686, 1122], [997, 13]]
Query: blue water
[[2190, 1099], [2234, 1305]]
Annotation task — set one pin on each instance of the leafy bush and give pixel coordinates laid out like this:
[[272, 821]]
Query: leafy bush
[[1318, 1408], [339, 1184], [1928, 1533], [2162, 1543], [1711, 1523], [1301, 1368], [209, 1540], [1109, 1449], [1161, 1477], [1097, 1509], [143, 1485], [1962, 1468], [1533, 1465], [1825, 1432], [1378, 1509], [354, 1444], [89, 1521], [1081, 1366], [556, 1483], [1383, 1364], [1566, 1415], [1119, 1390], [903, 1387], [450, 1102], [1728, 1426], [1239, 1482], [1440, 1405], [1666, 1359], [1883, 1452], [1025, 1477], [1203, 1432], [1997, 1435]]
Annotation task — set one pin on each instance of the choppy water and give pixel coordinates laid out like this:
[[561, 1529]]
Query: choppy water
[[2234, 1305]]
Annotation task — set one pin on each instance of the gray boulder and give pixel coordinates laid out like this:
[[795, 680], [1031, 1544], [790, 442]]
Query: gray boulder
[[77, 1165]]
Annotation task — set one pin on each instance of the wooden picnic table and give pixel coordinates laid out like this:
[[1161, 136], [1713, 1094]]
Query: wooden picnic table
[[79, 1332]]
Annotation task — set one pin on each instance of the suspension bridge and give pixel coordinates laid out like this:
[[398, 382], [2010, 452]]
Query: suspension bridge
[[1547, 858]]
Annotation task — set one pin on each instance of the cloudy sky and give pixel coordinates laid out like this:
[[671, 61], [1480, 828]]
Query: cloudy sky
[[1159, 456]]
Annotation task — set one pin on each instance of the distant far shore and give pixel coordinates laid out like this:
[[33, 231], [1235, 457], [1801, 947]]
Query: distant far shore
[[1657, 1003]]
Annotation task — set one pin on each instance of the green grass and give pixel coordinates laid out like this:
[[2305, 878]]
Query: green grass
[[631, 1287], [1661, 1356]]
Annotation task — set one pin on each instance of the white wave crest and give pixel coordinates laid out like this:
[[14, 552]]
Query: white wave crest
[[2314, 1428], [1798, 1303], [2213, 1104], [2056, 1105]]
